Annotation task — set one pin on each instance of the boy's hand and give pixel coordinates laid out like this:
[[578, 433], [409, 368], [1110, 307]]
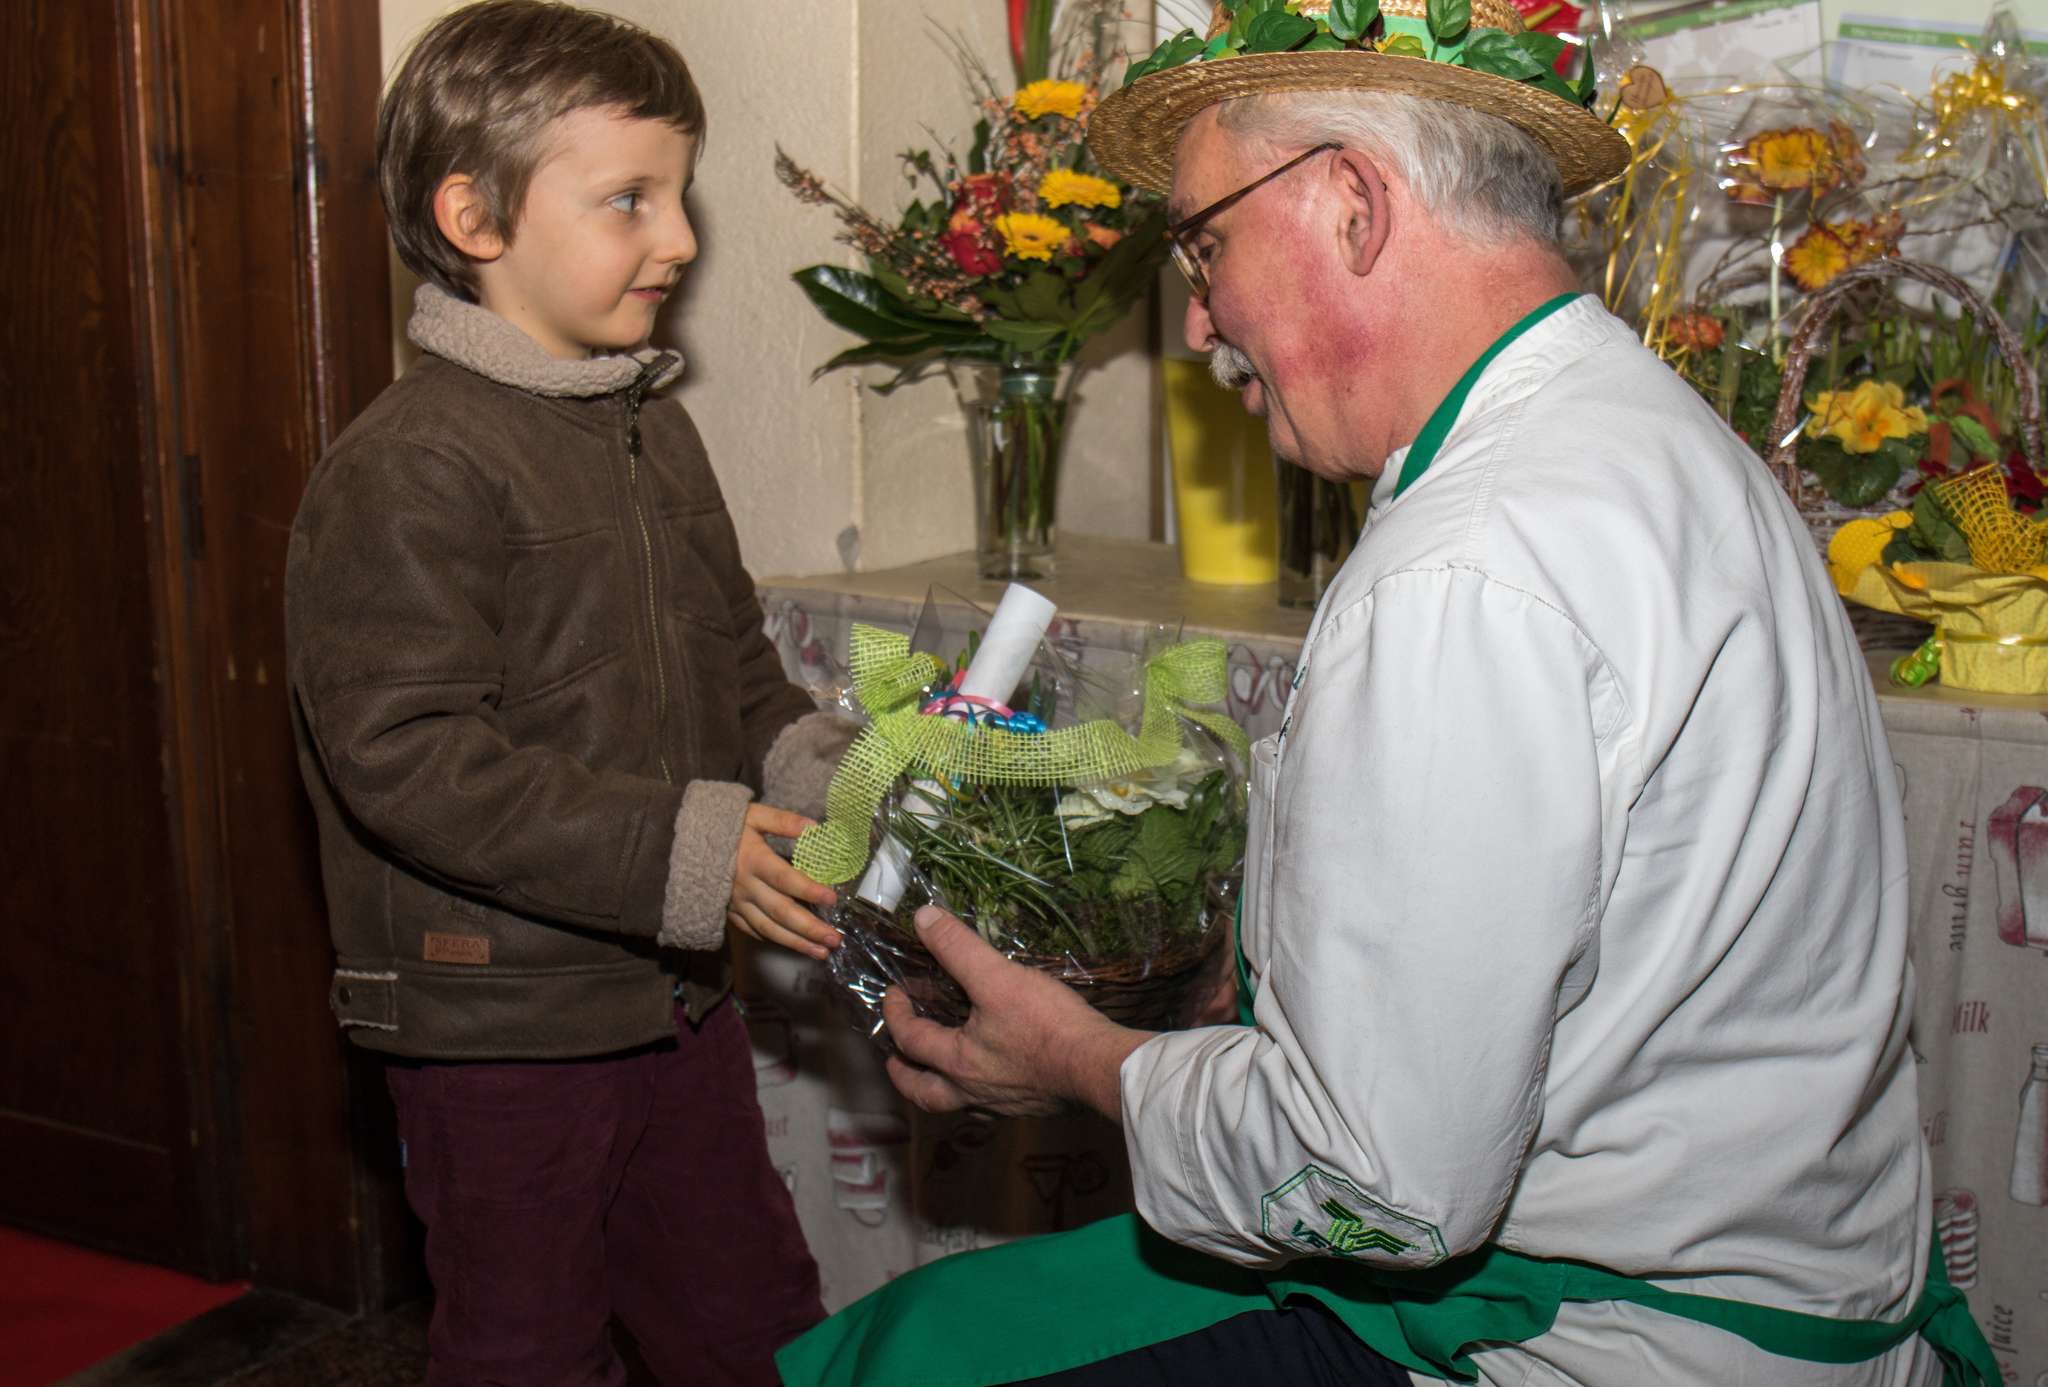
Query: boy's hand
[[768, 894]]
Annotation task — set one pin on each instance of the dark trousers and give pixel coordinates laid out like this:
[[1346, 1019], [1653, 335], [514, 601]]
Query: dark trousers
[[1303, 1345], [559, 1195]]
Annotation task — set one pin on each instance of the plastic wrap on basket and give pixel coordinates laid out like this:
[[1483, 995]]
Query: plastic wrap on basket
[[1088, 822]]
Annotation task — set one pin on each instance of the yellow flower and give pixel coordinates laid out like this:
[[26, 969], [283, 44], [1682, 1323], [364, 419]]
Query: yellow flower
[[1863, 418], [1797, 158], [1047, 97], [1821, 254], [1063, 187], [1029, 236]]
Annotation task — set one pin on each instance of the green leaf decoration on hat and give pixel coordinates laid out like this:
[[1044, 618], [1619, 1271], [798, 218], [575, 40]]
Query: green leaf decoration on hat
[[1278, 32], [1445, 34], [1349, 19], [1449, 19]]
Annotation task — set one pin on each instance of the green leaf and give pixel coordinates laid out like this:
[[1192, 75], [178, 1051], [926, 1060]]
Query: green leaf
[[1493, 51], [1975, 437], [1935, 532], [1043, 298], [1322, 43], [1406, 46], [1172, 53], [1349, 19], [1030, 337], [1278, 32], [1853, 479], [977, 157], [1544, 48], [1449, 19], [1582, 90], [860, 304]]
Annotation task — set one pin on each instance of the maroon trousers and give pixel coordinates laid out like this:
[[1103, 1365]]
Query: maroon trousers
[[558, 1195]]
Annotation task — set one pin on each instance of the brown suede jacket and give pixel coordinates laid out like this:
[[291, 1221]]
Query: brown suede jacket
[[532, 698]]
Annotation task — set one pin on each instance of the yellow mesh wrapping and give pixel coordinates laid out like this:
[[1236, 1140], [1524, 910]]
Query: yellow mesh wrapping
[[2001, 539], [888, 679]]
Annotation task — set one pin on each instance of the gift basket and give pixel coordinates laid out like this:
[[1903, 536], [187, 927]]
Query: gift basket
[[1963, 544], [1088, 821]]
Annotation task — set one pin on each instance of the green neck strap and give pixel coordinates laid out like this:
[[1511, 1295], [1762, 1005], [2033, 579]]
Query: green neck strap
[[1423, 451]]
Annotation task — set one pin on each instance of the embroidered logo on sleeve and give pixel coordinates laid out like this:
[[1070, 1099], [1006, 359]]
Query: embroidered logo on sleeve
[[1327, 1215]]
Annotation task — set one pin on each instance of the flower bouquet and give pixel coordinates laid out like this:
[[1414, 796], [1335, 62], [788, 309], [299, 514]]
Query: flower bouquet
[[1089, 823], [1013, 253]]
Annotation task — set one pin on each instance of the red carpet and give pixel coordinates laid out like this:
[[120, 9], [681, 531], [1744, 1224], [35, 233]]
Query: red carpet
[[63, 1308]]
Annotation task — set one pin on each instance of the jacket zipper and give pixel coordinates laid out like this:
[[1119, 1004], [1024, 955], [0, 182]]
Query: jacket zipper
[[634, 393]]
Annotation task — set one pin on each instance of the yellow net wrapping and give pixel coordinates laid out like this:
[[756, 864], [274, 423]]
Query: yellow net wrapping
[[2001, 539]]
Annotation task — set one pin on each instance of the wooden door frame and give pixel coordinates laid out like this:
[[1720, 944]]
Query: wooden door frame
[[278, 98]]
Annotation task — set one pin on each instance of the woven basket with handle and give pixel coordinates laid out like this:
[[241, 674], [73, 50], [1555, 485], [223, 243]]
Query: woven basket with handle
[[1823, 516]]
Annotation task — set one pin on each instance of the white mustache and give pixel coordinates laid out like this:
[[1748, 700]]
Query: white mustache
[[1231, 367]]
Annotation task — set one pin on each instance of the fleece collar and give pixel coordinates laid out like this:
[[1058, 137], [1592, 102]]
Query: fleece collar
[[473, 337]]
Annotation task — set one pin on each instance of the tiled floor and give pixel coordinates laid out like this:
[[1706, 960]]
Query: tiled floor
[[268, 1339]]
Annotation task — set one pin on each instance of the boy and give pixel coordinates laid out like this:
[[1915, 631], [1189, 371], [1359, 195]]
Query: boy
[[533, 699]]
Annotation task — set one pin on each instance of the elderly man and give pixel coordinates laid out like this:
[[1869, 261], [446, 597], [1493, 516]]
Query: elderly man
[[1574, 913]]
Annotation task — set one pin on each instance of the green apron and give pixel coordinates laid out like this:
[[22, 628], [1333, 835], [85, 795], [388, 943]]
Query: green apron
[[1045, 1305]]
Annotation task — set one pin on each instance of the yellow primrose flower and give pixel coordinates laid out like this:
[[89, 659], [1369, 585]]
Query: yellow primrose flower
[[1818, 256], [1795, 159], [1030, 236], [1047, 97], [1863, 418], [1064, 187]]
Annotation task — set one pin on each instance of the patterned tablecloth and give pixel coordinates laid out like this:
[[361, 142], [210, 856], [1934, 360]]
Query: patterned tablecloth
[[881, 1188]]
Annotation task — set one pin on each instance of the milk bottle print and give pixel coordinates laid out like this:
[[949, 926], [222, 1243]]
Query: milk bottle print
[[2030, 1144], [2019, 861]]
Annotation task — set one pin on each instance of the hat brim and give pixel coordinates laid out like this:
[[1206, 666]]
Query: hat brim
[[1134, 131]]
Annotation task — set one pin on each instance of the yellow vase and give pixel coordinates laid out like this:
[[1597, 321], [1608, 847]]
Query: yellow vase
[[1223, 491]]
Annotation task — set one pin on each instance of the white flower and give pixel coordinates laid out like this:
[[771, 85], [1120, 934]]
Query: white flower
[[1168, 785]]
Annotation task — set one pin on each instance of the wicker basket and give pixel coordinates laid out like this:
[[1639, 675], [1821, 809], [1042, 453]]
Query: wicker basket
[[1878, 630], [1150, 991]]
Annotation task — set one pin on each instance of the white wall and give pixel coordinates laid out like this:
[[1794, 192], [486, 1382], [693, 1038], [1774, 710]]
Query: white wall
[[825, 475]]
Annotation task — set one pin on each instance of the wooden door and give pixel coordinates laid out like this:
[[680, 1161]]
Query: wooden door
[[195, 302], [95, 1099]]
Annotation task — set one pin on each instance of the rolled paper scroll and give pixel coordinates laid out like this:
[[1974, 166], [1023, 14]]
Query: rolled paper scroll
[[1007, 648]]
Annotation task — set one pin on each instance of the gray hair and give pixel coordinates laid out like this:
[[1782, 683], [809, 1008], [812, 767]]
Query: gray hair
[[1480, 177]]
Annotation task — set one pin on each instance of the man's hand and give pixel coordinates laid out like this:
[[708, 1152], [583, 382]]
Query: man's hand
[[1030, 1045], [768, 893]]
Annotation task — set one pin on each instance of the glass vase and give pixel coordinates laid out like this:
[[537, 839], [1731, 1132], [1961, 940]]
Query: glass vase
[[1319, 522], [1014, 445]]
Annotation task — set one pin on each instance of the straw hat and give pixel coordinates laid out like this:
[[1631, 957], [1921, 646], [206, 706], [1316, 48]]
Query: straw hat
[[1134, 131]]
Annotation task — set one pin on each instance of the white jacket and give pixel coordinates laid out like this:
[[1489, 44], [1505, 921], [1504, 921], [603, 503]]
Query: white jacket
[[1575, 900]]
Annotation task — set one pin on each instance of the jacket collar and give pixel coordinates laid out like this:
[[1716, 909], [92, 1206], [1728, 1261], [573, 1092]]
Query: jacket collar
[[473, 337]]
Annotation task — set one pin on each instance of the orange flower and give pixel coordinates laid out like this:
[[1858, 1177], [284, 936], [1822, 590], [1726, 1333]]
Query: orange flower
[[1103, 236], [1796, 159], [1818, 257], [1695, 332]]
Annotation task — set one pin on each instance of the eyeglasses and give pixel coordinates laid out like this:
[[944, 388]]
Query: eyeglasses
[[1180, 237]]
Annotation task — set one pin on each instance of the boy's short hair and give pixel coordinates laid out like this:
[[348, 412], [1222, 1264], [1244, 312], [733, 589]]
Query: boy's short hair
[[477, 91]]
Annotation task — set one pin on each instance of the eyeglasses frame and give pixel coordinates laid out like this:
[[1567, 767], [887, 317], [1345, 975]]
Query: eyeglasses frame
[[1179, 236]]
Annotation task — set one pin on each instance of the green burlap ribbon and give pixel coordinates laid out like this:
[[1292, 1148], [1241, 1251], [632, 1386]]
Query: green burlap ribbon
[[889, 679]]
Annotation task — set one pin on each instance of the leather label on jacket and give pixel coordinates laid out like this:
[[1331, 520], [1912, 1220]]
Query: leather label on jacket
[[457, 948]]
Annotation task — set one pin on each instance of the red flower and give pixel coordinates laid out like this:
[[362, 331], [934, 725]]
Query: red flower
[[1017, 15], [984, 195], [966, 242]]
